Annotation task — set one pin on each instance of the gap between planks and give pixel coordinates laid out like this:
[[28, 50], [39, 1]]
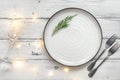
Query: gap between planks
[[24, 39], [109, 59], [116, 18]]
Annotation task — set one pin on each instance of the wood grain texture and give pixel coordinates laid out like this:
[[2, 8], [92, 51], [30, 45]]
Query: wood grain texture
[[35, 29], [31, 47], [42, 71], [107, 13], [46, 8]]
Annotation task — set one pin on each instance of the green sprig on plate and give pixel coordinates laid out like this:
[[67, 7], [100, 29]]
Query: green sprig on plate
[[63, 24]]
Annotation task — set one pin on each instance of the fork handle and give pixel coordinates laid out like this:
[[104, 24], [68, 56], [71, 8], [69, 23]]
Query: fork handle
[[102, 62], [90, 67], [101, 54], [92, 72]]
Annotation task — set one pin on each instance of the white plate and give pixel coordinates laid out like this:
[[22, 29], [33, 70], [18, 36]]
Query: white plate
[[76, 44]]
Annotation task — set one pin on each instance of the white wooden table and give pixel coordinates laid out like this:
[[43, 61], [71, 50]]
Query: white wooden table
[[42, 67]]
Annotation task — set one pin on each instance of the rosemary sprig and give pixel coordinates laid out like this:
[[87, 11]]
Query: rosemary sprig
[[63, 24]]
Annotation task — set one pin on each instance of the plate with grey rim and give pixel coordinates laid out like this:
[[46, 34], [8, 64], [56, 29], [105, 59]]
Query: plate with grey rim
[[75, 44]]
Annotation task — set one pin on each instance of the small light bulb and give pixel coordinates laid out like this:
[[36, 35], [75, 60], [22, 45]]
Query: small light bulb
[[34, 69], [66, 69], [18, 45], [39, 44], [51, 73], [34, 17], [17, 23], [18, 64], [14, 35], [17, 26]]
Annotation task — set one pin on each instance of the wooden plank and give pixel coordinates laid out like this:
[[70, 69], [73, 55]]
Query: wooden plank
[[35, 29], [49, 70], [109, 20], [30, 29], [31, 49], [109, 8]]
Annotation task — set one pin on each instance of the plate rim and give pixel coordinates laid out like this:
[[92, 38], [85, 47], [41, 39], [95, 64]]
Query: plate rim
[[77, 9]]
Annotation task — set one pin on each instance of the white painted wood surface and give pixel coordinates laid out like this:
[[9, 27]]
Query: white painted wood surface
[[106, 11]]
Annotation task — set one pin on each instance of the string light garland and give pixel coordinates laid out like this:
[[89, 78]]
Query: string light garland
[[17, 26]]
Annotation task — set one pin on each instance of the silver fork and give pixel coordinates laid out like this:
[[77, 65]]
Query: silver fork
[[111, 51], [108, 43]]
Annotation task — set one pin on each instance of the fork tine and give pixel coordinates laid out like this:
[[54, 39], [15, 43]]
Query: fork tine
[[111, 40], [114, 48]]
